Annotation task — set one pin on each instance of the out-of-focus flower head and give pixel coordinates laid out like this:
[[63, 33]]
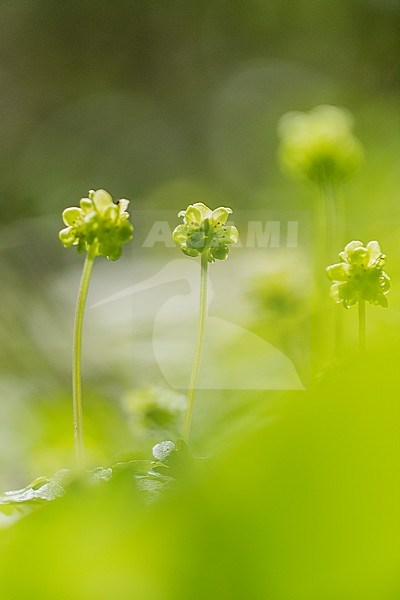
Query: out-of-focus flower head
[[319, 145], [360, 275], [205, 230], [98, 223]]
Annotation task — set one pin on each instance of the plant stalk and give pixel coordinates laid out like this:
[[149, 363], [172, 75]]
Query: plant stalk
[[194, 377], [362, 325], [339, 331], [77, 358], [331, 238]]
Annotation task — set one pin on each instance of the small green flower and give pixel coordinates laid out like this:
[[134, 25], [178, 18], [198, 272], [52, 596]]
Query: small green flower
[[205, 230], [100, 223], [319, 145], [360, 276]]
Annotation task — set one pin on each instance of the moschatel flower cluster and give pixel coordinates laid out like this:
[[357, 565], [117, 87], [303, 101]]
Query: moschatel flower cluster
[[205, 231], [99, 223], [360, 275], [319, 145]]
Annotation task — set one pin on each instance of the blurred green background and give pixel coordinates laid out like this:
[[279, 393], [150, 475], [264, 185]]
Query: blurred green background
[[167, 103]]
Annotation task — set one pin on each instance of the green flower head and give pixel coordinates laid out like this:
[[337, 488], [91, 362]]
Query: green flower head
[[360, 276], [205, 231], [319, 145], [98, 223]]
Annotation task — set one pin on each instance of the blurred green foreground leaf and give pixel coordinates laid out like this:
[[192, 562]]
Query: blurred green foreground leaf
[[306, 508]]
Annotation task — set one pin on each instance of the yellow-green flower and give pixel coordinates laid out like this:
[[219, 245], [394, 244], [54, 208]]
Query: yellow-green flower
[[360, 276], [205, 230], [98, 223], [319, 145]]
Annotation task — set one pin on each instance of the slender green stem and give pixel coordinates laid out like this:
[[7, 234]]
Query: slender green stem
[[339, 331], [362, 325], [194, 377], [77, 358], [331, 211], [333, 216], [331, 238]]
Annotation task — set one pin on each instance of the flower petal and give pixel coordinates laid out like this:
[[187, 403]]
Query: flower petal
[[192, 215], [125, 231], [374, 249], [206, 213], [71, 215], [232, 234], [376, 257], [111, 213], [384, 282], [381, 300], [359, 257], [102, 200], [221, 252], [86, 205], [67, 236], [123, 205], [220, 215], [190, 251], [179, 235], [349, 249], [338, 272], [335, 292]]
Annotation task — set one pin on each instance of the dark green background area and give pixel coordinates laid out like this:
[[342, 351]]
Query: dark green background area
[[130, 95]]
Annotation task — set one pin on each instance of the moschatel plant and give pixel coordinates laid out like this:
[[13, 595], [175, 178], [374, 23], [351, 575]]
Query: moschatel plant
[[205, 232], [99, 227], [319, 147], [359, 278]]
